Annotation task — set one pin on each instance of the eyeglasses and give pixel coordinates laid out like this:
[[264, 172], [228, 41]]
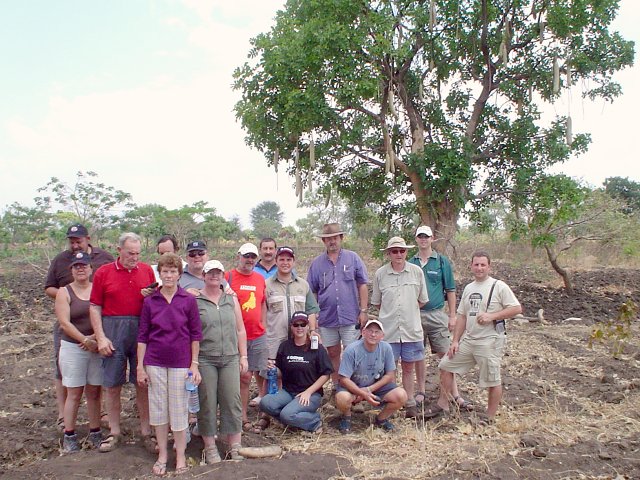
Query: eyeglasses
[[299, 325], [197, 253], [250, 255], [423, 235], [396, 251], [371, 331]]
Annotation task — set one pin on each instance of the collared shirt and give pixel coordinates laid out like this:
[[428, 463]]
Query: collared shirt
[[188, 280], [283, 299], [59, 274], [398, 294], [337, 287], [169, 328], [260, 268], [439, 277], [117, 289]]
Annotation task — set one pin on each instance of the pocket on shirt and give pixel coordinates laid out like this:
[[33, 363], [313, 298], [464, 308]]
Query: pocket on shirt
[[276, 305]]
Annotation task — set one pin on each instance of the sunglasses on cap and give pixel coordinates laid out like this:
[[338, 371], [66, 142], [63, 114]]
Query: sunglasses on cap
[[196, 253], [250, 255], [299, 324], [396, 251]]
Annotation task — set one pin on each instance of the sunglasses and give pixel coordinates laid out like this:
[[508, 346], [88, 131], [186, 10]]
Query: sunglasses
[[250, 255], [396, 251], [299, 325], [199, 253], [423, 235]]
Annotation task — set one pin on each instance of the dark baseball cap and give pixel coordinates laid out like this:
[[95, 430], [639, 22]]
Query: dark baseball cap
[[80, 257], [196, 245], [288, 250], [76, 231], [299, 316]]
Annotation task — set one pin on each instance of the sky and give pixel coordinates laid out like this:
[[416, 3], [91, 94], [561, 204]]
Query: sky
[[139, 91]]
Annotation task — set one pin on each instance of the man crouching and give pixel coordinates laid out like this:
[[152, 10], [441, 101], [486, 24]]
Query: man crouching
[[367, 372]]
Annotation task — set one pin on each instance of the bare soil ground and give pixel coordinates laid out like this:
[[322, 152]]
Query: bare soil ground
[[569, 411]]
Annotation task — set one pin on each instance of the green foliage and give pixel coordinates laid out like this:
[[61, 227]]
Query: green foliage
[[90, 202], [625, 190], [266, 219], [615, 333], [409, 115]]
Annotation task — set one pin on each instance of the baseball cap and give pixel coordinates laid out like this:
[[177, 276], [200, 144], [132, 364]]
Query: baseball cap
[[372, 322], [424, 229], [196, 245], [76, 231], [288, 250], [80, 258], [299, 316], [248, 248], [212, 265]]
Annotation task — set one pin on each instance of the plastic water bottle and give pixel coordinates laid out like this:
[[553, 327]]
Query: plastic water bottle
[[272, 381], [194, 399]]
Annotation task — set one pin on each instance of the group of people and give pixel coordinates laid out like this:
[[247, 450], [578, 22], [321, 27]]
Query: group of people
[[194, 320]]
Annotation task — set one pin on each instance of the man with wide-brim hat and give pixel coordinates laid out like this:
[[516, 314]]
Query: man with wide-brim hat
[[338, 278], [399, 290]]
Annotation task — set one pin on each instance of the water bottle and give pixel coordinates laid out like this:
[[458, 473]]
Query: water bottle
[[272, 381], [194, 399]]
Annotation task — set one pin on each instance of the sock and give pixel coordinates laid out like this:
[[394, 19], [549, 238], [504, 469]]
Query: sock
[[94, 430], [69, 433]]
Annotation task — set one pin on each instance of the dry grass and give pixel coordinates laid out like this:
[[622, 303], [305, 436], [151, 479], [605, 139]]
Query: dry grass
[[559, 413]]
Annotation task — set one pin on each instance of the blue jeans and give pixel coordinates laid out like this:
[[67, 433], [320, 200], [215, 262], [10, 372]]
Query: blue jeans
[[286, 408]]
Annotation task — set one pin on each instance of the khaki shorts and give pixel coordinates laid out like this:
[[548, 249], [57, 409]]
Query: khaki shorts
[[435, 324], [486, 353]]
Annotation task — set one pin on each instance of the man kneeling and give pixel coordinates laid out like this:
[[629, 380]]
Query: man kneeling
[[367, 372]]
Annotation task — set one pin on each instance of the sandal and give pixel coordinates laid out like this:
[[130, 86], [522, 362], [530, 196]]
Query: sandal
[[421, 401], [150, 443], [434, 411], [462, 404], [247, 426], [182, 470], [110, 443], [262, 424], [159, 469]]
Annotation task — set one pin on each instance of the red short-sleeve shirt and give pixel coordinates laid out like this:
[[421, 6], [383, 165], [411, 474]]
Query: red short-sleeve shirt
[[117, 290]]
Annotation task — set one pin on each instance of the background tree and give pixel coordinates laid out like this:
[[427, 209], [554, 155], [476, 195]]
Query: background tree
[[266, 219], [94, 204], [626, 190], [415, 106], [558, 213]]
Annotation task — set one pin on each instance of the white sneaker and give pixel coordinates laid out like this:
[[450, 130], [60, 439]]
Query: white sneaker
[[255, 402]]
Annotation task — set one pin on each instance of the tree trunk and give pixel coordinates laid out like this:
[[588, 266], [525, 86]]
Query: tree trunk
[[553, 259]]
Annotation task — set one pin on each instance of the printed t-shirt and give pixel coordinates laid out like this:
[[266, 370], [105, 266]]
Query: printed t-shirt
[[250, 290], [474, 301], [301, 367]]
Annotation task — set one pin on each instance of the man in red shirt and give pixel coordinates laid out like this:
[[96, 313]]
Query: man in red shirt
[[249, 286], [116, 302]]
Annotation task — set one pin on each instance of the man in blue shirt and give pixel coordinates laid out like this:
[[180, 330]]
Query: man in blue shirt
[[338, 278], [266, 266]]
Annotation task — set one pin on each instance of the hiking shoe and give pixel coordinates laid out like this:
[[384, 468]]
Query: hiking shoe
[[345, 425], [385, 424], [211, 455], [95, 438], [70, 444], [234, 453], [410, 412]]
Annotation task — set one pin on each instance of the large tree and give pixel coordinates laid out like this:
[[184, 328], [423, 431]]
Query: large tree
[[425, 106]]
